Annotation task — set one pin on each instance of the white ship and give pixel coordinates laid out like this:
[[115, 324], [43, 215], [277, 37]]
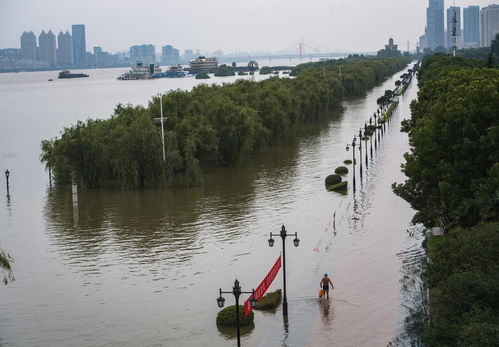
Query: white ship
[[141, 72], [203, 64]]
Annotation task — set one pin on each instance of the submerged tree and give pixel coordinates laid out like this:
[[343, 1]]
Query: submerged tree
[[5, 267], [209, 125]]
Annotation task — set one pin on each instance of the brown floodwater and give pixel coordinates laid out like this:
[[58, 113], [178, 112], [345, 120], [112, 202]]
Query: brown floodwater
[[143, 268]]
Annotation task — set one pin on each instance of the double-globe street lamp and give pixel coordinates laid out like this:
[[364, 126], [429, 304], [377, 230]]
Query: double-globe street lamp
[[236, 290], [283, 234]]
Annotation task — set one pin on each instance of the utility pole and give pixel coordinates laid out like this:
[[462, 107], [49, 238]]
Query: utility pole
[[162, 128]]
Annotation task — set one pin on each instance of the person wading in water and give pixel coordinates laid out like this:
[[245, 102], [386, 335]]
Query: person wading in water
[[325, 281]]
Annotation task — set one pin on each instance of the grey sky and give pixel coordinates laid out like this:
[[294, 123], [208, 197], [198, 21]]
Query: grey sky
[[230, 25]]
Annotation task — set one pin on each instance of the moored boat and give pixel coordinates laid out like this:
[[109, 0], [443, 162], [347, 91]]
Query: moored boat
[[173, 72], [141, 72], [67, 74]]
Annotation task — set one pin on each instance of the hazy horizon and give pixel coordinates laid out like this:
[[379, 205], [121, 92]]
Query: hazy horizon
[[271, 25]]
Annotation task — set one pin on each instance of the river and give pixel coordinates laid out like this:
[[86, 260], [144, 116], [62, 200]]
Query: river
[[143, 268]]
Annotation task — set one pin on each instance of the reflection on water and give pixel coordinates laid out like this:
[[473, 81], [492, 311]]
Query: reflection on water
[[414, 290], [231, 333], [326, 314]]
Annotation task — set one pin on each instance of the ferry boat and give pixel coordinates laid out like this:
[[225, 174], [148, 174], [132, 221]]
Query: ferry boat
[[203, 64], [172, 72], [67, 74], [141, 72]]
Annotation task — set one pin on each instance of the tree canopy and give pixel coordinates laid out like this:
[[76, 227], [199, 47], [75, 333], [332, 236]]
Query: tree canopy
[[214, 125], [453, 181]]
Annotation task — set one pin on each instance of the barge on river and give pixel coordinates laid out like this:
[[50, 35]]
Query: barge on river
[[67, 74]]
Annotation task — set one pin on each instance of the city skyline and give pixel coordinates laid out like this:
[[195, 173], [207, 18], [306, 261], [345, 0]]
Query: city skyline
[[322, 24]]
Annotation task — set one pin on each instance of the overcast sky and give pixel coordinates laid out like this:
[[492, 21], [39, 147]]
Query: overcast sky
[[229, 25]]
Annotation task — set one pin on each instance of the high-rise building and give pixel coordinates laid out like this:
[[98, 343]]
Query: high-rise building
[[79, 45], [471, 16], [143, 53], [450, 15], [48, 49], [65, 49], [28, 46], [169, 55], [101, 58], [489, 19], [435, 24], [188, 54]]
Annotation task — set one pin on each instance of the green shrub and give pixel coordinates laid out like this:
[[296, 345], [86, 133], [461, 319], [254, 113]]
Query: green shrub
[[224, 70], [390, 110], [348, 161], [339, 187], [265, 70], [341, 170], [333, 179], [269, 301], [202, 76], [227, 317]]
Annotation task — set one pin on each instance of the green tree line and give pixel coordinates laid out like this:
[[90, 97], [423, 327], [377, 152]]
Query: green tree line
[[214, 125], [453, 182]]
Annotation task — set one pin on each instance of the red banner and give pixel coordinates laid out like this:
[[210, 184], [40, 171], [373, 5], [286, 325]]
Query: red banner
[[262, 288]]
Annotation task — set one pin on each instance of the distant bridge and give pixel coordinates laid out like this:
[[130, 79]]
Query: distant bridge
[[290, 56]]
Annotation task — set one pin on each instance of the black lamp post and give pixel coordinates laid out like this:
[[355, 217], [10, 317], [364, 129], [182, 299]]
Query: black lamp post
[[376, 131], [236, 290], [365, 129], [360, 154], [7, 174], [380, 128], [283, 234], [371, 137], [353, 154]]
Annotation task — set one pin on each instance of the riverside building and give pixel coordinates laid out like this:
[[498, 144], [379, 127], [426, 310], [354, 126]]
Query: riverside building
[[489, 18], [48, 48], [79, 45], [471, 30], [28, 46], [435, 24], [143, 53], [64, 49]]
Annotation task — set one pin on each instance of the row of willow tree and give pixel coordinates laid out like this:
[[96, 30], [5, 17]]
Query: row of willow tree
[[453, 182], [210, 125]]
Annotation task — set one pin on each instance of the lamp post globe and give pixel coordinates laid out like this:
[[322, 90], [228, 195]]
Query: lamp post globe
[[253, 300], [271, 241], [221, 301]]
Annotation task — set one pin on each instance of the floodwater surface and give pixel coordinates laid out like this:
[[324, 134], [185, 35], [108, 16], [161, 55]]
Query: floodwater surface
[[144, 267]]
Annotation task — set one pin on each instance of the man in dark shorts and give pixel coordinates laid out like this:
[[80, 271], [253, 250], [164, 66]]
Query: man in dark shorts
[[325, 281]]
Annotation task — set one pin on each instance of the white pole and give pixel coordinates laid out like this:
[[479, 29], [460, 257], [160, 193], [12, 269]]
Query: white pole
[[162, 129]]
